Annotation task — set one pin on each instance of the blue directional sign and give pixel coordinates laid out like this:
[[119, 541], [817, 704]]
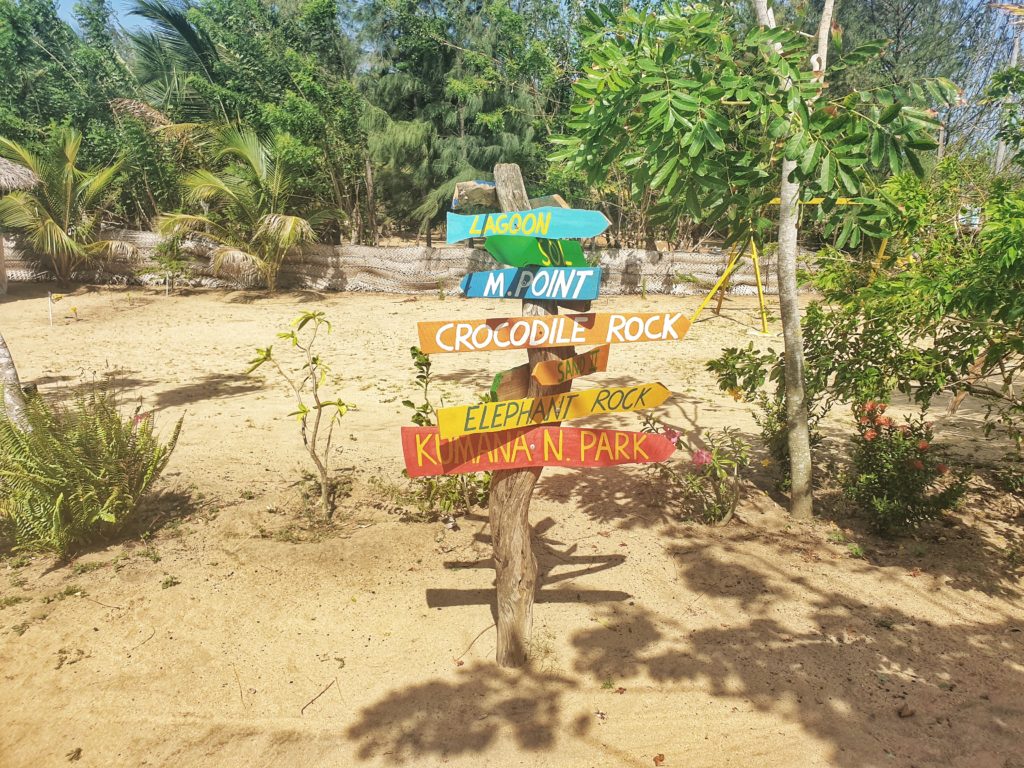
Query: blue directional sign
[[535, 283], [548, 222]]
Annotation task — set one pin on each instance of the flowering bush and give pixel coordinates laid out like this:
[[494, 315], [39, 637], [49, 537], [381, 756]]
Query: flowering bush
[[897, 479], [710, 480]]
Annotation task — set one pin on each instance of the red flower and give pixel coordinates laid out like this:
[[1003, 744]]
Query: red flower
[[870, 405], [883, 421], [917, 464], [870, 435], [922, 446], [942, 468], [865, 420], [882, 407]]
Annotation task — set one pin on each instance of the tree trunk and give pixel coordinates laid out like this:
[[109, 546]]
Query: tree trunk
[[14, 397], [801, 500], [511, 490], [798, 434], [371, 203]]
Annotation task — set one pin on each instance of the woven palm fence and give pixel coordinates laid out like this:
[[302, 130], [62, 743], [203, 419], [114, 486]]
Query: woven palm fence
[[410, 269]]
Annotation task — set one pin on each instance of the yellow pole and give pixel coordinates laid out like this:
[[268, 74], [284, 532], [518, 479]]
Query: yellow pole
[[721, 281], [760, 290]]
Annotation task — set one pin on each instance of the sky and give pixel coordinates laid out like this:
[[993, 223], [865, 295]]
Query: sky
[[120, 12]]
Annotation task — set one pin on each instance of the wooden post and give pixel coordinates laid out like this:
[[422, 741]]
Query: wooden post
[[511, 490]]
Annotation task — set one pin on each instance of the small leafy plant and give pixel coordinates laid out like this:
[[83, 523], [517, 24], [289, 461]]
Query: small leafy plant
[[743, 374], [710, 481], [897, 479], [77, 475], [172, 259], [317, 417], [443, 495]]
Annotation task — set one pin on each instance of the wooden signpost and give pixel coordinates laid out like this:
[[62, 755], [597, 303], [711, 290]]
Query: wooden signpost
[[513, 414], [523, 251], [533, 282], [427, 453], [501, 436], [549, 222], [492, 334]]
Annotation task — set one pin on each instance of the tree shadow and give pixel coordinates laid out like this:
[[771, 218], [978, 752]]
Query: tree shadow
[[211, 387], [444, 718], [870, 681]]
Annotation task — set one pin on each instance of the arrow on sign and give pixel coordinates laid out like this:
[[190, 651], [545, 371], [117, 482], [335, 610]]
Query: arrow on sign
[[549, 222], [524, 251], [427, 453], [513, 414], [550, 331], [551, 373], [535, 283]]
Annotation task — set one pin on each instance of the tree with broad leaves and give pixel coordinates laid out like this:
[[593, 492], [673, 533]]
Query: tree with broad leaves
[[714, 114]]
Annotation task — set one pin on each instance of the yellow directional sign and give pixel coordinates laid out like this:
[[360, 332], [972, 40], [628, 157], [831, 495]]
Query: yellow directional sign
[[512, 414]]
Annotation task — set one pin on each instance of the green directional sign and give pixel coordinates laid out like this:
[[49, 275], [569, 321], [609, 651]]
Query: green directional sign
[[525, 251]]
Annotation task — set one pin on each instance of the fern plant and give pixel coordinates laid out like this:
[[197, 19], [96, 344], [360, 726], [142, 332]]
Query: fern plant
[[77, 474]]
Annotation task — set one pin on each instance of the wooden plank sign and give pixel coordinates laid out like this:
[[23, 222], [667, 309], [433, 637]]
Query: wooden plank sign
[[542, 331], [554, 372], [535, 283], [513, 414], [543, 252], [550, 222], [427, 453], [512, 384]]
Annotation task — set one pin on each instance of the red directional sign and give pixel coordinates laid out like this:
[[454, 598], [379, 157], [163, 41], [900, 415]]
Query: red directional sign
[[427, 453]]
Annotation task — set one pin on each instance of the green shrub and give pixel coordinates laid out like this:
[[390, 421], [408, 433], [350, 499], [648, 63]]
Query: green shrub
[[897, 480], [77, 475], [710, 482], [444, 495]]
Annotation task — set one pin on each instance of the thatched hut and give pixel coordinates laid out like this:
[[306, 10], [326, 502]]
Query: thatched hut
[[12, 177]]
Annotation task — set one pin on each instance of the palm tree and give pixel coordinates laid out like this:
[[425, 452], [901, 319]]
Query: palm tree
[[248, 202], [60, 217]]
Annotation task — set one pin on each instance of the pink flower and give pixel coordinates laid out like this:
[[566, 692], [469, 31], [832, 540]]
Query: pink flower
[[701, 458], [870, 435], [672, 435]]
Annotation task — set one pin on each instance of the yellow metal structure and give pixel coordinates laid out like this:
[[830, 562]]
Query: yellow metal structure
[[735, 257]]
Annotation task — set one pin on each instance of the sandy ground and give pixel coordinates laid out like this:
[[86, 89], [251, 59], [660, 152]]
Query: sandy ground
[[241, 634]]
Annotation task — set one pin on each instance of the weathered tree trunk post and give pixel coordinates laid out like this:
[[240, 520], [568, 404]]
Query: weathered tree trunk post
[[509, 505]]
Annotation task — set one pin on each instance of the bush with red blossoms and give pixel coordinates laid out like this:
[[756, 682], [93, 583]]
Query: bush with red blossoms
[[897, 480]]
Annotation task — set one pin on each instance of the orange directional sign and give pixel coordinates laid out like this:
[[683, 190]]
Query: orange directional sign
[[427, 453], [550, 331], [553, 372], [512, 414]]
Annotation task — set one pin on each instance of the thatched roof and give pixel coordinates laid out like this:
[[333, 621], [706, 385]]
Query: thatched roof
[[14, 176]]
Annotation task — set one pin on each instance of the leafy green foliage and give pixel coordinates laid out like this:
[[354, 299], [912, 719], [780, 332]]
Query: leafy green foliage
[[710, 481], [942, 311], [318, 416], [896, 478], [444, 495], [250, 198], [79, 473], [61, 217], [745, 374], [691, 104]]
